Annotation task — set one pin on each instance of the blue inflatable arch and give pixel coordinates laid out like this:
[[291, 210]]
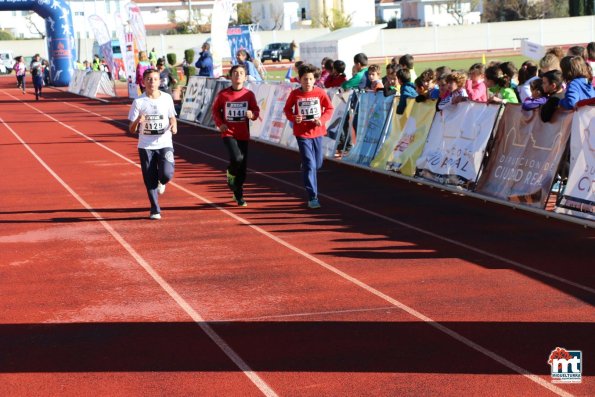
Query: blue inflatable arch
[[59, 31]]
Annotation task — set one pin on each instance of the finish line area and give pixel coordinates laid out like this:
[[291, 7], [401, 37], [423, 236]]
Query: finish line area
[[390, 288]]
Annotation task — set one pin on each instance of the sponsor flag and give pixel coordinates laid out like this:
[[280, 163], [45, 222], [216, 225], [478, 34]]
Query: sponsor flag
[[219, 22], [103, 38]]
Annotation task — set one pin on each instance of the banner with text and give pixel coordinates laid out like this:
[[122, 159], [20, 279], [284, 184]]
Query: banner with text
[[264, 96], [411, 139], [578, 198], [375, 115], [457, 142], [525, 156], [193, 98], [276, 121]]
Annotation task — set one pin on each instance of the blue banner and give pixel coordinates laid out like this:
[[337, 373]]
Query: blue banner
[[239, 39], [373, 124]]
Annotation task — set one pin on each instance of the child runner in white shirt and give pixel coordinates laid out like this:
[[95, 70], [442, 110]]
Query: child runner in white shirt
[[153, 117]]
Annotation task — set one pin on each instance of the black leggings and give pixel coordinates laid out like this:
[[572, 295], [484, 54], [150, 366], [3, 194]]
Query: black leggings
[[238, 162]]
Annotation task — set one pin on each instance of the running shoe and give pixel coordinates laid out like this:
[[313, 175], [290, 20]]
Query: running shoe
[[241, 202], [160, 188], [155, 216], [314, 203]]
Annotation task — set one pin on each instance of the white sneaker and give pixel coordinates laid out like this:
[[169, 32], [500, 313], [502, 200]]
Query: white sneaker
[[160, 188], [155, 216]]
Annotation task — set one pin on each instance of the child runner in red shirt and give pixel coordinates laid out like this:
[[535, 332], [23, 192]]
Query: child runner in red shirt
[[309, 108], [232, 109]]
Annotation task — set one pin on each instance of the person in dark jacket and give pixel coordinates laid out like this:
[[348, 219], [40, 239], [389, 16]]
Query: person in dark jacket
[[407, 89], [205, 62]]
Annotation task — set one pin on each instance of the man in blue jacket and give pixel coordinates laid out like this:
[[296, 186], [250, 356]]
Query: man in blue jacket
[[205, 62]]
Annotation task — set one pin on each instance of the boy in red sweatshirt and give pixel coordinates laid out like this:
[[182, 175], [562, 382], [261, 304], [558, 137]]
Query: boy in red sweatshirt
[[233, 108], [309, 108]]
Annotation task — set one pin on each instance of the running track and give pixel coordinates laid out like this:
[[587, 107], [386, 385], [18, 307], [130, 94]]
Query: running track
[[390, 289]]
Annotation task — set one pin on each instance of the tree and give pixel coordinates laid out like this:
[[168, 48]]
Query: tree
[[580, 7], [244, 11], [4, 35], [338, 20], [32, 26], [516, 10]]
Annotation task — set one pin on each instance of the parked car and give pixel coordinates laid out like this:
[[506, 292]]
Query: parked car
[[6, 61], [276, 52]]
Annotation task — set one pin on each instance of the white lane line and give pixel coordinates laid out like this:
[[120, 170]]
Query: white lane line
[[308, 314], [453, 334], [384, 217], [198, 319]]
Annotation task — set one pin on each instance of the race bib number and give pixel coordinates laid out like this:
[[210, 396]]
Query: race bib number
[[309, 108], [154, 124], [236, 111]]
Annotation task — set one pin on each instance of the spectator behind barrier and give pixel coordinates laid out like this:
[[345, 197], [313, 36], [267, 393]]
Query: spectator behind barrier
[[475, 85]]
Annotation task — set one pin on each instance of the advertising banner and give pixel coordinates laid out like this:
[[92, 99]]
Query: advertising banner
[[208, 97], [137, 26], [276, 121], [219, 22], [207, 113], [457, 142], [578, 198], [387, 147], [375, 111], [76, 83], [103, 38], [334, 127], [525, 156], [239, 38], [411, 140], [264, 97], [193, 98]]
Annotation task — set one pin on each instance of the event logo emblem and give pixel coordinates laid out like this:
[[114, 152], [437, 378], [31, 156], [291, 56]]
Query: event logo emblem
[[567, 365], [59, 50]]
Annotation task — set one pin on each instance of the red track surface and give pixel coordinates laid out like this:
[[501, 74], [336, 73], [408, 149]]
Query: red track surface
[[390, 289]]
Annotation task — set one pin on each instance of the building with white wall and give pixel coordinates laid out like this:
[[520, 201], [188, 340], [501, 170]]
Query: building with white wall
[[438, 13]]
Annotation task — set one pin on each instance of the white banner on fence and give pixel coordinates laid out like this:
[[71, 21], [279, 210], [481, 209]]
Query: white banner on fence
[[76, 83], [264, 96], [106, 85], [579, 196], [276, 121], [193, 98], [457, 141], [334, 127]]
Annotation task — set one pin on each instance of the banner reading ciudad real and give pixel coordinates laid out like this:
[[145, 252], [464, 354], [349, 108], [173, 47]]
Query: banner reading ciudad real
[[457, 142], [525, 156], [578, 198]]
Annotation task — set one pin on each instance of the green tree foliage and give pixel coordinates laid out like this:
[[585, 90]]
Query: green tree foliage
[[581, 7], [338, 20], [4, 35], [244, 11]]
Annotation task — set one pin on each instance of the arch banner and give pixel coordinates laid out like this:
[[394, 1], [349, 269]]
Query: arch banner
[[60, 35]]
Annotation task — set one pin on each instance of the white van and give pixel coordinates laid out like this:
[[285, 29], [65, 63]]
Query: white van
[[6, 61]]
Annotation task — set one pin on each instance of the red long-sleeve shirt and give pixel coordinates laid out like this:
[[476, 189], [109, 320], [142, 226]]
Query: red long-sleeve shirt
[[230, 108], [311, 105]]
